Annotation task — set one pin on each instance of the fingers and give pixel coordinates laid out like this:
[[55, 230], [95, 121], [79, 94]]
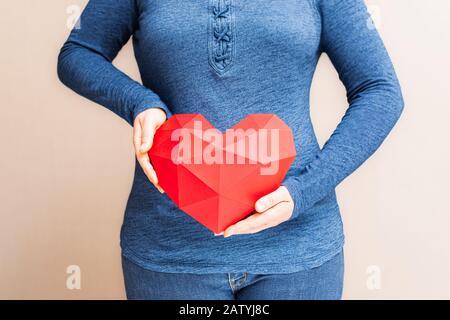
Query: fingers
[[261, 221], [271, 210], [147, 134], [270, 200], [137, 136], [147, 167], [143, 133], [149, 171]]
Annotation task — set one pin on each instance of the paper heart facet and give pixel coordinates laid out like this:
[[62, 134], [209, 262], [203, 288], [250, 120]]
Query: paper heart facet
[[217, 177]]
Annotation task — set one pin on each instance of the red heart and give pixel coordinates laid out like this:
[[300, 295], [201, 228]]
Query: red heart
[[216, 179]]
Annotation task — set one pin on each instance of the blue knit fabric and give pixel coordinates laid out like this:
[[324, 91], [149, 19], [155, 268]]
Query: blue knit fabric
[[227, 59]]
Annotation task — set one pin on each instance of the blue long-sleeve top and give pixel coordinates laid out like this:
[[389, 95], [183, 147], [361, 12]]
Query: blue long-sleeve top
[[227, 59]]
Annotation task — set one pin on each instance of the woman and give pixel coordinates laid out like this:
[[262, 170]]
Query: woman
[[227, 59]]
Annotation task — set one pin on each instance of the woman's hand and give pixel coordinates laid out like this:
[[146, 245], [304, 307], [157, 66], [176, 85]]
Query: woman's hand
[[145, 126], [271, 210]]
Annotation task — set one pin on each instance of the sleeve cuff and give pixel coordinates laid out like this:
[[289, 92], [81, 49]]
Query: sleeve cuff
[[295, 193], [307, 188], [148, 103]]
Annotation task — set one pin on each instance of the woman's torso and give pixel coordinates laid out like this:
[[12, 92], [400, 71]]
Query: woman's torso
[[227, 59]]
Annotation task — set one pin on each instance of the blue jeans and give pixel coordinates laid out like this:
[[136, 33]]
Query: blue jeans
[[324, 283]]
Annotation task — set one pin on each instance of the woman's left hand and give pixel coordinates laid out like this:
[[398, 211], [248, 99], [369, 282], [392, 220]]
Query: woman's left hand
[[271, 210]]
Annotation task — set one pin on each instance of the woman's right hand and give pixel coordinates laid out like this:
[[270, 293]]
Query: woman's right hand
[[144, 128]]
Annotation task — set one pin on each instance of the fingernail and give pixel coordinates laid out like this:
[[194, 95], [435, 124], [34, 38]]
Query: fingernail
[[218, 234]]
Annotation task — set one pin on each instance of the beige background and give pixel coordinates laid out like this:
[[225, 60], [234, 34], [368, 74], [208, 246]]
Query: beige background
[[66, 164]]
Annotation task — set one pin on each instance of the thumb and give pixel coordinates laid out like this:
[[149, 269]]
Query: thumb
[[269, 200]]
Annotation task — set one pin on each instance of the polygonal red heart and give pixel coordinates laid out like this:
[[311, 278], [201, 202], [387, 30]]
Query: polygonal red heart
[[217, 177]]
